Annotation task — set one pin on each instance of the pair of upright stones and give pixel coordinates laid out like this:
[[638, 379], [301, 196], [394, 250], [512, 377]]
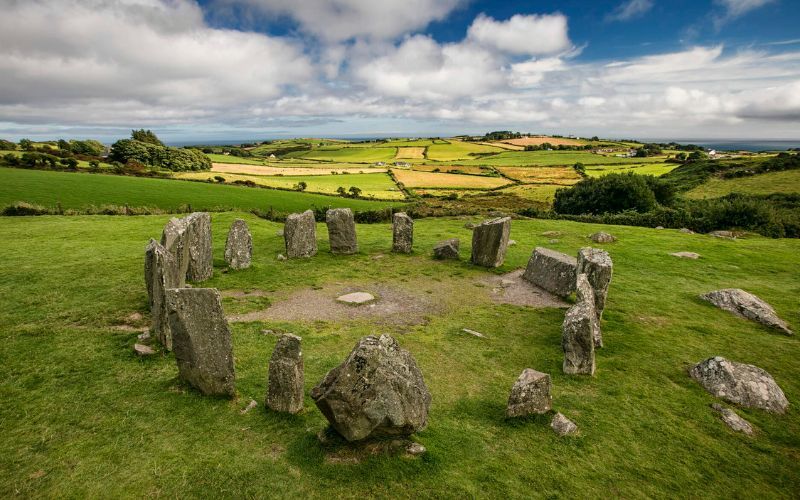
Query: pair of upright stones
[[589, 277], [489, 243]]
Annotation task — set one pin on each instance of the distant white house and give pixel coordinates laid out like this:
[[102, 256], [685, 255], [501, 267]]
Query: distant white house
[[713, 152], [380, 164], [272, 156]]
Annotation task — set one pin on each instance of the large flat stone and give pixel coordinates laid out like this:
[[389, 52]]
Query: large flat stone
[[552, 271], [356, 298]]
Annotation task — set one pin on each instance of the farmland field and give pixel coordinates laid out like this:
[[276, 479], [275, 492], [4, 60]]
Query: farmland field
[[543, 175], [301, 169], [414, 179], [411, 153], [543, 193], [403, 143], [548, 158], [351, 154], [458, 150], [467, 169], [772, 182], [220, 158], [538, 141], [656, 169]]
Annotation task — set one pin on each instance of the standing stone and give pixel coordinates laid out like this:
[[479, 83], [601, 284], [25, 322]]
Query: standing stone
[[300, 235], [161, 273], [447, 249], [490, 242], [173, 238], [239, 245], [739, 383], [402, 233], [552, 271], [377, 392], [746, 305], [578, 338], [530, 394], [341, 231], [201, 340], [286, 380], [597, 266], [198, 231], [585, 293]]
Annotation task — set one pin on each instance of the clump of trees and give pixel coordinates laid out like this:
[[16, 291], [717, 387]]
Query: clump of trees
[[501, 135], [152, 153], [649, 150], [614, 193], [353, 192]]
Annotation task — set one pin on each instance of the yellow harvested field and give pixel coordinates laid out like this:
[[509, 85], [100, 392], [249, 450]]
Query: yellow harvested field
[[467, 169], [410, 153], [510, 147], [542, 175], [534, 192], [239, 168], [539, 140], [417, 179]]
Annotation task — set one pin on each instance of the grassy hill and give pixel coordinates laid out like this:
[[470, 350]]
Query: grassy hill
[[787, 182]]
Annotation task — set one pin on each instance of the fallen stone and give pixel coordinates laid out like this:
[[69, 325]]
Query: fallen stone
[[473, 333], [728, 235], [490, 242], [598, 267], [747, 305], [402, 233], [552, 234], [144, 337], [739, 383], [585, 293], [552, 271], [161, 274], [530, 394], [201, 340], [198, 231], [552, 242], [377, 392], [686, 230], [470, 225], [415, 449], [136, 316], [356, 298], [341, 231], [659, 227], [252, 404], [281, 257], [562, 425], [511, 243], [300, 235], [686, 255], [734, 421], [286, 379], [448, 249], [143, 350], [239, 245], [577, 339], [602, 237]]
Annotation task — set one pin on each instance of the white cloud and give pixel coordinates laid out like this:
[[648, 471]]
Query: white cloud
[[522, 34], [630, 9], [736, 8]]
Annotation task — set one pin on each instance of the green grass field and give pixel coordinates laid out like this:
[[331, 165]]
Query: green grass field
[[458, 150], [549, 158], [773, 182], [82, 417], [657, 169], [79, 190], [351, 154], [220, 158]]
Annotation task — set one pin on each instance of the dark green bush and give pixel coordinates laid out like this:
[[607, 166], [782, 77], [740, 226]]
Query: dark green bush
[[613, 193]]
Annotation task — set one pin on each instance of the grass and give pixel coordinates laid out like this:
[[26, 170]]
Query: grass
[[412, 153], [417, 179], [551, 158], [657, 169], [408, 143], [83, 417], [547, 175], [544, 193], [298, 169], [220, 158], [773, 182], [79, 190], [471, 169], [458, 150], [354, 154]]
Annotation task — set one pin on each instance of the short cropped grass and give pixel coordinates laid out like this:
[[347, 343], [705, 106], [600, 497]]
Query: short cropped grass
[[548, 158], [657, 169], [458, 150], [352, 154], [773, 182], [220, 158]]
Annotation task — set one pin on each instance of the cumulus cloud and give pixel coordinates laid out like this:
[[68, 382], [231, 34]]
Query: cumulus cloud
[[630, 10], [522, 34]]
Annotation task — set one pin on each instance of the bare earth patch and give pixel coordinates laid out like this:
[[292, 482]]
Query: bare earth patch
[[510, 288]]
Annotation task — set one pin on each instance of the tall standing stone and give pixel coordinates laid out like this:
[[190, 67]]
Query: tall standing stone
[[490, 242], [585, 293], [402, 233], [578, 335], [161, 274], [552, 271], [239, 245], [300, 235], [200, 255], [597, 266], [173, 238], [286, 380], [201, 340], [341, 231]]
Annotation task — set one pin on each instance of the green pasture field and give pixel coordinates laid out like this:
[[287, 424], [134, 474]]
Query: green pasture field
[[458, 150], [657, 169], [552, 158], [402, 143], [773, 182], [220, 158], [350, 154]]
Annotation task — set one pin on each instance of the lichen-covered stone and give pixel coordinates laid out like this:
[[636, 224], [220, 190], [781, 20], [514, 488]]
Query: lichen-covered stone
[[239, 245], [602, 237], [447, 249], [747, 305], [577, 339], [198, 230], [286, 379], [490, 242], [173, 238], [300, 235], [552, 271], [161, 273], [402, 233], [378, 391], [201, 340], [530, 394], [341, 231], [563, 426], [585, 293], [732, 420], [740, 383], [597, 266]]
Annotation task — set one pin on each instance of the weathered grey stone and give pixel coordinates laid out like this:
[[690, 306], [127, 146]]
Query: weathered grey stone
[[597, 266], [286, 379], [686, 255], [300, 235], [239, 245], [356, 298], [734, 421], [447, 249], [552, 271], [585, 293], [377, 391], [490, 242], [727, 235], [402, 233], [173, 238], [747, 305], [602, 237], [201, 340], [686, 230], [143, 350], [563, 426], [161, 273], [198, 230], [739, 383], [577, 338], [659, 227], [341, 231], [530, 394]]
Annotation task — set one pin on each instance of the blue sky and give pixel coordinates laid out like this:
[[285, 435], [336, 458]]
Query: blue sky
[[247, 69]]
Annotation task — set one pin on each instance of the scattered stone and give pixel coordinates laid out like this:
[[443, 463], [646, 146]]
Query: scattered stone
[[198, 230], [356, 298], [733, 420], [402, 233], [530, 394], [585, 293], [415, 449], [252, 404], [144, 337], [377, 257], [728, 235], [598, 267], [552, 242], [377, 391], [552, 271], [201, 340], [239, 245], [279, 232], [602, 237], [286, 380], [552, 234], [161, 274], [686, 230], [470, 225], [341, 231], [300, 235], [578, 338], [490, 242], [447, 249], [659, 227], [739, 383], [686, 255], [136, 316], [562, 425], [511, 243], [281, 257], [143, 350], [473, 333], [747, 305]]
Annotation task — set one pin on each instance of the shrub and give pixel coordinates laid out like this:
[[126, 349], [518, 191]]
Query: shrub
[[611, 193]]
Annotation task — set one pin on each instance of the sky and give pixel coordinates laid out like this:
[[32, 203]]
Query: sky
[[264, 69]]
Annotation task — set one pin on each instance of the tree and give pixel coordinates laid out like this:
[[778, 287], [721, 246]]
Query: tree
[[580, 169], [341, 191], [696, 156], [147, 136], [62, 144], [354, 191], [301, 186], [7, 145], [89, 147], [26, 144], [613, 193]]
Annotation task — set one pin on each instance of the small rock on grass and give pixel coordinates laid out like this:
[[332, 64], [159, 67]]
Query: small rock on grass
[[686, 255], [252, 404], [473, 333], [143, 350], [733, 420], [415, 449], [356, 298], [563, 426], [281, 256]]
